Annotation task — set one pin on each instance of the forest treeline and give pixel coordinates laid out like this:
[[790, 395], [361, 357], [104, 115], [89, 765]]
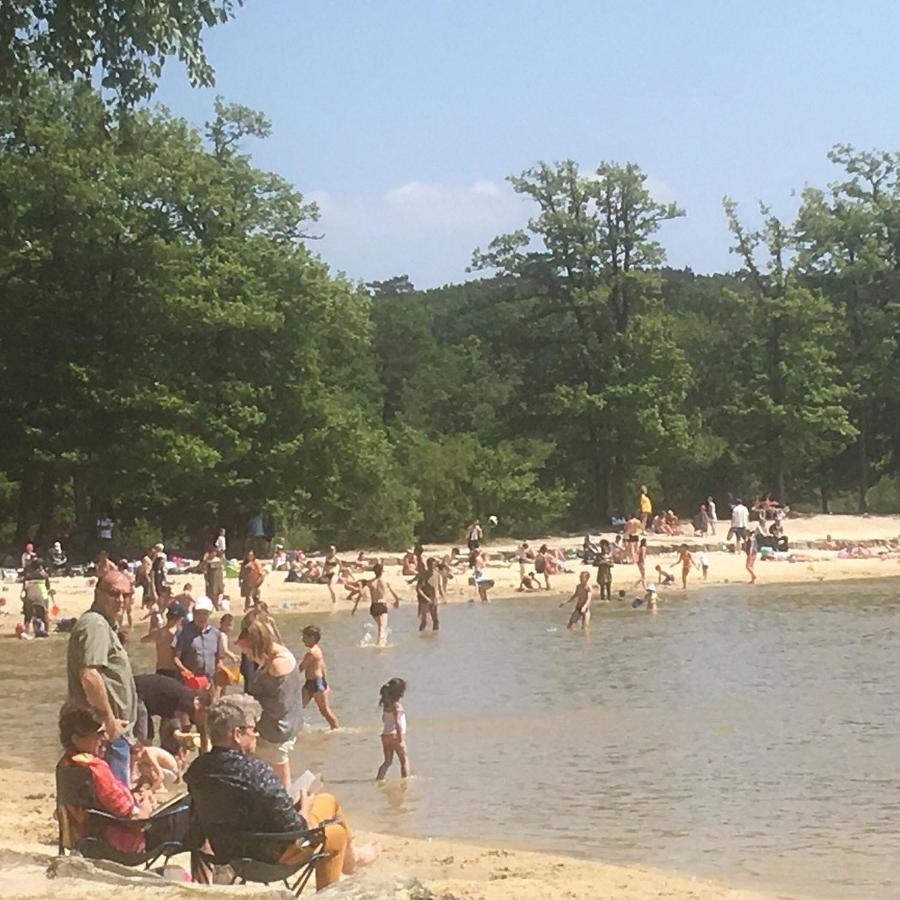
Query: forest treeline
[[175, 354]]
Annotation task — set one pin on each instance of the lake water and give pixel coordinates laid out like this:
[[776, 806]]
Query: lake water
[[751, 734]]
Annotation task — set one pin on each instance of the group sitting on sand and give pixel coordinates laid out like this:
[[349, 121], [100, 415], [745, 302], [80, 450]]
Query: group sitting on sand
[[241, 779]]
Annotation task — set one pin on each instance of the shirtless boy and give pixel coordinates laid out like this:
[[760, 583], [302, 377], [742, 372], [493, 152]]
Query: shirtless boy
[[165, 639], [582, 598], [315, 687]]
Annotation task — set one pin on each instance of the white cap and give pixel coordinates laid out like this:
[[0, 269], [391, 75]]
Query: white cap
[[651, 588], [203, 604]]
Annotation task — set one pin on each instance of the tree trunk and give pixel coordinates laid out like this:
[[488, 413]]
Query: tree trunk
[[24, 506], [863, 451], [83, 525], [825, 494], [46, 505]]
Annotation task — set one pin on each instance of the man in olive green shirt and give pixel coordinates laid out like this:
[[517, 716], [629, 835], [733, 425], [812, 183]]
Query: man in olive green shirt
[[100, 672]]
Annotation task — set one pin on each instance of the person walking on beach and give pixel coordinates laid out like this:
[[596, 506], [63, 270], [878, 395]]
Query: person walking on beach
[[582, 600], [740, 521], [99, 670], [604, 571], [315, 686], [645, 506], [250, 579], [711, 514], [393, 731], [641, 561], [220, 542], [751, 548], [474, 535], [213, 565]]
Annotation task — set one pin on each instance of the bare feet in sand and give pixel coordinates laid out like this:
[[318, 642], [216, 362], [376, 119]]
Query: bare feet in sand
[[360, 857]]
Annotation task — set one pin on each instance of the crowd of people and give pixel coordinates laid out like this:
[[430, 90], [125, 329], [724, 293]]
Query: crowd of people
[[108, 723], [241, 779]]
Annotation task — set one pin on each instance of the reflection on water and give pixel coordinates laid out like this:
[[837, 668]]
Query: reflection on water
[[749, 734]]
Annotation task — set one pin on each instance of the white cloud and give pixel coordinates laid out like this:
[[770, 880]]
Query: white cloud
[[439, 206]]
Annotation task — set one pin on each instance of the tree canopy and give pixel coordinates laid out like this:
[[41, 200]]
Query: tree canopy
[[176, 355], [125, 44]]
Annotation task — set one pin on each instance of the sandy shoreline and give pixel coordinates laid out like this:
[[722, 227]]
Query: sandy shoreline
[[449, 868], [809, 535]]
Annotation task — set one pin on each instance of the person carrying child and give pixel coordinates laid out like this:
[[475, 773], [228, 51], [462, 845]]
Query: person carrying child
[[393, 732]]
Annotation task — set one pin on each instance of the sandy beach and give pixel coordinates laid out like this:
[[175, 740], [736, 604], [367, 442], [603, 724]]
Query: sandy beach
[[409, 868], [811, 562], [452, 868]]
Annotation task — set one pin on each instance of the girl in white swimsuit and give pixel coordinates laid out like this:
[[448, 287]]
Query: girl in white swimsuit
[[393, 733]]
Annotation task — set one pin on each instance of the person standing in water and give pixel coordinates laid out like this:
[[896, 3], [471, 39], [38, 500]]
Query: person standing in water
[[315, 687], [582, 598], [687, 563], [426, 594], [378, 609], [393, 733]]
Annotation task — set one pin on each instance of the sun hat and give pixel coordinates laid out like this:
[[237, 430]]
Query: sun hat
[[203, 604]]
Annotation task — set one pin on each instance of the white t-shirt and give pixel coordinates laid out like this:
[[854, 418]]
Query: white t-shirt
[[740, 517], [220, 543]]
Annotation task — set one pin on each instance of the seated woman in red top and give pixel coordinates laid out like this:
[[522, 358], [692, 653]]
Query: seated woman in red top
[[82, 734]]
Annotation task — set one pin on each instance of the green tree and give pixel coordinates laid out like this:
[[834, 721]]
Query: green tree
[[125, 43], [614, 388], [176, 353], [849, 236], [789, 396]]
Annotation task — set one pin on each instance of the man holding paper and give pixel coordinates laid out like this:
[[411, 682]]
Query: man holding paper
[[232, 791]]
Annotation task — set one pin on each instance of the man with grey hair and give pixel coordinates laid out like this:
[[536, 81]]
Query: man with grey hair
[[232, 792], [99, 670]]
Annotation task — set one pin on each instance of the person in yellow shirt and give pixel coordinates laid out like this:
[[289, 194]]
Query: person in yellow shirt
[[646, 507]]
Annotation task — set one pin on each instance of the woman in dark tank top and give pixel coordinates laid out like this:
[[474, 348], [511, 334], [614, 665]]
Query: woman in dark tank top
[[277, 685]]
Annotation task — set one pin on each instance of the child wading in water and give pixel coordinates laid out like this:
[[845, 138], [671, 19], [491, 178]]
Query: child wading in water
[[582, 598], [687, 563], [315, 686], [393, 733]]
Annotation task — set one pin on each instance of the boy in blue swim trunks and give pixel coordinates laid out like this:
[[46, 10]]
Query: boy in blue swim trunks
[[315, 687]]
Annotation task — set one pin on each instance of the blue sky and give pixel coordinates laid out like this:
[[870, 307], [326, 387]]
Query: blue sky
[[402, 119]]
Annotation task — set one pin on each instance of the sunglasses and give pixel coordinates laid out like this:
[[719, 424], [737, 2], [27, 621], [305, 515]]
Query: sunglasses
[[248, 729]]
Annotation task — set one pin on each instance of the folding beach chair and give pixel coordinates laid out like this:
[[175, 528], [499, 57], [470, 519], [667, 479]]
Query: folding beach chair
[[252, 856], [81, 823]]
